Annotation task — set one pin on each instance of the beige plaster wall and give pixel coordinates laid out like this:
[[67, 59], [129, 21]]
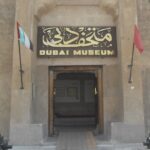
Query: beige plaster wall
[[132, 99], [133, 108], [146, 96], [7, 15], [113, 104], [74, 14], [40, 103], [144, 25], [21, 113]]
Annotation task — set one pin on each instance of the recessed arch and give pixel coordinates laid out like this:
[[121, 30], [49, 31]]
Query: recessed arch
[[43, 7], [110, 7]]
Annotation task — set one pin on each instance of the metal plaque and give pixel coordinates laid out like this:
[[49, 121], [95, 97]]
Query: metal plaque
[[76, 41]]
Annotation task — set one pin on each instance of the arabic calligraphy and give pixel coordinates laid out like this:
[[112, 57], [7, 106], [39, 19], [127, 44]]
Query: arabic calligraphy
[[69, 37], [76, 41]]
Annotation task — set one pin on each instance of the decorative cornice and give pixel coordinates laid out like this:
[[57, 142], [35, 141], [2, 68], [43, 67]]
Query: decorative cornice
[[110, 7], [42, 7]]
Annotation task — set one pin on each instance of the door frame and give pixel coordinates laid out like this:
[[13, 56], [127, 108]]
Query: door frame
[[54, 71]]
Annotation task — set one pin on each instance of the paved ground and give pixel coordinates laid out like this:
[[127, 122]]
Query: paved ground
[[85, 140], [80, 140], [76, 141]]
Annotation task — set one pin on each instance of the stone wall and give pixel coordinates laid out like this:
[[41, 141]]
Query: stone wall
[[146, 96], [144, 24], [40, 102], [113, 106], [70, 13], [133, 112], [7, 15]]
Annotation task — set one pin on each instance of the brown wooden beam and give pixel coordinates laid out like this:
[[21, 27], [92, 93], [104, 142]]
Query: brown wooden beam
[[51, 103], [100, 100], [75, 68]]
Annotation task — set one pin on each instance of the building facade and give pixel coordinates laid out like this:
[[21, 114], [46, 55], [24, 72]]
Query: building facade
[[87, 89]]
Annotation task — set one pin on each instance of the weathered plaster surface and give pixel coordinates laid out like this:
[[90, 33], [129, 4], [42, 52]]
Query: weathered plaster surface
[[7, 14]]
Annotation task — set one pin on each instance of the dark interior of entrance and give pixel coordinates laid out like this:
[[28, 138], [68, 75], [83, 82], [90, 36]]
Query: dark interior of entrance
[[75, 100]]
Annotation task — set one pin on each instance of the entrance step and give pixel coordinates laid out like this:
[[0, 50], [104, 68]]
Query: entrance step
[[34, 148], [50, 141], [76, 141], [83, 147], [47, 144], [80, 121], [120, 146]]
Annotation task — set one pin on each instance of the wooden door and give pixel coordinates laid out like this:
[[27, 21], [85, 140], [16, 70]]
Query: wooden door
[[51, 103], [100, 100], [95, 69]]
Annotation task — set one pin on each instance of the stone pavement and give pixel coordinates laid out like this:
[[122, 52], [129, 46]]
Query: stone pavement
[[81, 140], [120, 146], [84, 140], [76, 141]]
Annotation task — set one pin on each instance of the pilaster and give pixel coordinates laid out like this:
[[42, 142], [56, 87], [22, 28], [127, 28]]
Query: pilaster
[[22, 131], [133, 111]]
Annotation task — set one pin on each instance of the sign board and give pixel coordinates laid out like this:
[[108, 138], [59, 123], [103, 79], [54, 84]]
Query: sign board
[[76, 41]]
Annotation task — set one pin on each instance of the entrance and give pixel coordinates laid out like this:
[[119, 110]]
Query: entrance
[[75, 98], [75, 101]]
